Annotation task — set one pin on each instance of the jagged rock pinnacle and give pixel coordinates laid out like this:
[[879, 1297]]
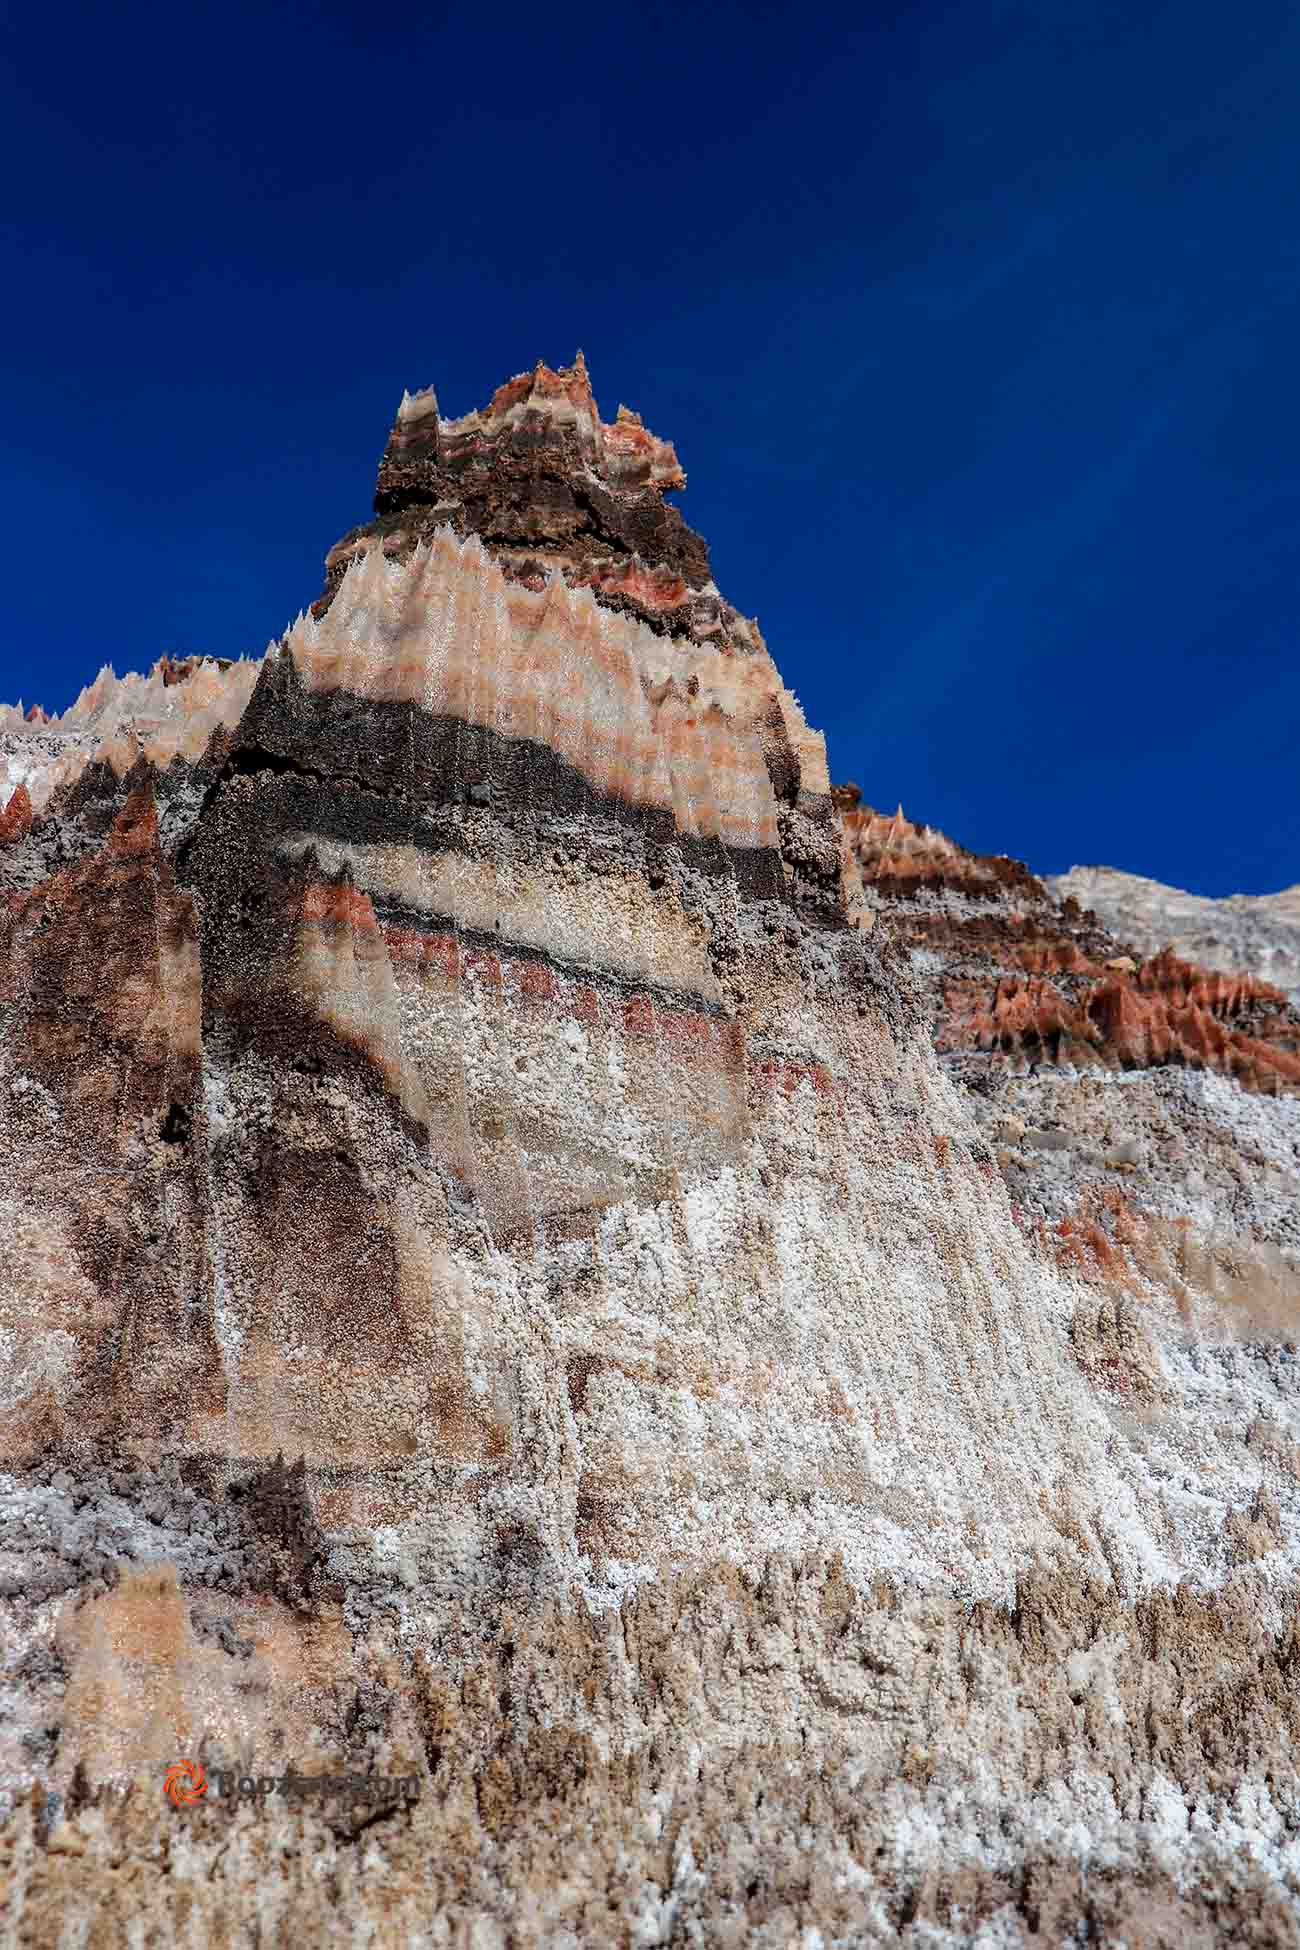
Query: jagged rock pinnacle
[[548, 485]]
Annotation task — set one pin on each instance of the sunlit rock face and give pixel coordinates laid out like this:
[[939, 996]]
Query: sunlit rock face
[[1026, 977], [504, 1294], [168, 720]]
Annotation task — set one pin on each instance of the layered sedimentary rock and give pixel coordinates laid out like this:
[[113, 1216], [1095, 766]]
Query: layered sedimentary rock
[[1143, 1111], [1021, 974], [1255, 932], [549, 485], [69, 776], [507, 1299]]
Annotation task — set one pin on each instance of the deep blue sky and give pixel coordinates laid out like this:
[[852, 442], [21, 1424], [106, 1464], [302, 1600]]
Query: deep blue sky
[[976, 327]]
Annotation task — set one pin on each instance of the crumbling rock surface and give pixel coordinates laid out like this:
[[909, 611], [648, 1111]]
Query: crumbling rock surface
[[758, 1755], [505, 1296]]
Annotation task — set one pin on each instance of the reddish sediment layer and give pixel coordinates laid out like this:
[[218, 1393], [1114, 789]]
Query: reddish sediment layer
[[1013, 972]]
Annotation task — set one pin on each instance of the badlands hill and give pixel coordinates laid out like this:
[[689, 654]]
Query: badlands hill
[[732, 1361], [1258, 932]]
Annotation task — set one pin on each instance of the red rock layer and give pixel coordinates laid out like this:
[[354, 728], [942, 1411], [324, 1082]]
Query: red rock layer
[[100, 997], [1161, 1014], [906, 860], [1170, 1011], [1015, 973], [16, 819], [549, 485]]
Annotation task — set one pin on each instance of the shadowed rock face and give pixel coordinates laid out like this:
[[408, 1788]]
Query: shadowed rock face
[[507, 1297]]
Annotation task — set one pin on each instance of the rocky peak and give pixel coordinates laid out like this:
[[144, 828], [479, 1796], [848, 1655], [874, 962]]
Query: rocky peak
[[549, 487], [501, 1294]]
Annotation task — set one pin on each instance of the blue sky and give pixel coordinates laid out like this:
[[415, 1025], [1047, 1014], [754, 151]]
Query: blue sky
[[976, 328]]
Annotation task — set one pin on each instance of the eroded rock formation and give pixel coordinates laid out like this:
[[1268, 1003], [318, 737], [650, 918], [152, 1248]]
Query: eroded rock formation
[[1142, 1111], [548, 485], [1259, 932], [1019, 973], [507, 1297]]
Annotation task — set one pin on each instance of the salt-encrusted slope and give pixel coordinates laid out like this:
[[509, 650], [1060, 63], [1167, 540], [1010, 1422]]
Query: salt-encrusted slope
[[1143, 1113], [479, 1089]]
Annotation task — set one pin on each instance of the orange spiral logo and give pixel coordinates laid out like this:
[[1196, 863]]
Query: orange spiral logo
[[185, 1783]]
